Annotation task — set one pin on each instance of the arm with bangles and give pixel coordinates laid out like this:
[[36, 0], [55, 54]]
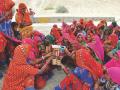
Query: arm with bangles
[[67, 72], [40, 61], [46, 56], [45, 65]]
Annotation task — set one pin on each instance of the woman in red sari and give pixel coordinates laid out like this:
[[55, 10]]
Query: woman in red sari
[[20, 75], [6, 16], [55, 32], [85, 59]]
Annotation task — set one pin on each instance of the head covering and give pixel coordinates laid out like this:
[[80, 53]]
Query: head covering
[[19, 15], [85, 60], [34, 44], [94, 46], [114, 73], [114, 24], [71, 80], [26, 32], [113, 62], [89, 24], [64, 25], [81, 21], [50, 38], [6, 6], [82, 35], [22, 6], [39, 34], [19, 70], [55, 32], [27, 41], [114, 39], [74, 22], [55, 26]]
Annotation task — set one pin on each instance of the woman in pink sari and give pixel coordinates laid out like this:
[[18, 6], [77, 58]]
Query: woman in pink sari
[[69, 35], [115, 61], [97, 47]]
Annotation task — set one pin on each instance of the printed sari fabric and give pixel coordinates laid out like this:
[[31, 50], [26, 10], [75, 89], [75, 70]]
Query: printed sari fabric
[[26, 32], [70, 82], [84, 59], [94, 46], [114, 40], [6, 7], [5, 24], [79, 79], [69, 35], [56, 34], [24, 21], [5, 27], [19, 74]]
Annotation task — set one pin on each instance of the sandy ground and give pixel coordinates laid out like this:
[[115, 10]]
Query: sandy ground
[[76, 7]]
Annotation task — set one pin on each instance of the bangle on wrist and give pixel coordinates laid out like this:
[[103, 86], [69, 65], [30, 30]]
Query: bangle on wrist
[[43, 57]]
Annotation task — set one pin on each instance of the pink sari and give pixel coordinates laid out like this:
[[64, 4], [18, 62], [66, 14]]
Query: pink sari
[[97, 47], [30, 42], [114, 73], [113, 62], [67, 34]]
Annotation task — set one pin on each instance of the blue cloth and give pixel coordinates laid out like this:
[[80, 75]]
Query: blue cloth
[[57, 88], [1, 74], [30, 88], [5, 27], [83, 74]]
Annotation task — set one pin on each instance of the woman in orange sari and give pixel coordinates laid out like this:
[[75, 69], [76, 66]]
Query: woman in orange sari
[[20, 74], [24, 21]]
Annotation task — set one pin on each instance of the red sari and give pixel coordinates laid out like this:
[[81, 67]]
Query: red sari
[[84, 59], [114, 39], [56, 34], [19, 74], [6, 6]]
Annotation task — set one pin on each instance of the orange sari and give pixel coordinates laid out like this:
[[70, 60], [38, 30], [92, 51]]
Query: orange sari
[[19, 73], [26, 29]]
